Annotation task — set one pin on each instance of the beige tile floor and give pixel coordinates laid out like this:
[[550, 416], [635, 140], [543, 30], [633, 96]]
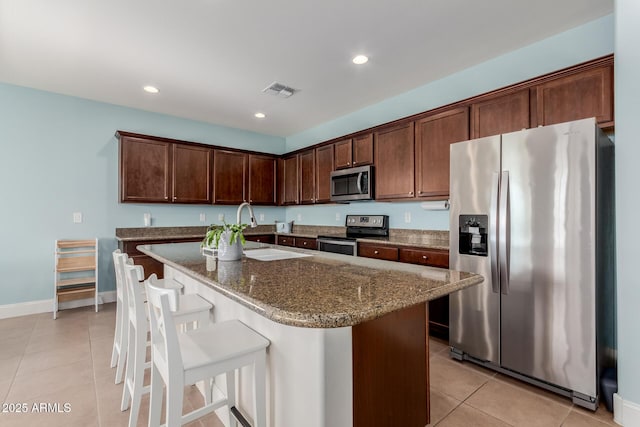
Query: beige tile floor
[[66, 361]]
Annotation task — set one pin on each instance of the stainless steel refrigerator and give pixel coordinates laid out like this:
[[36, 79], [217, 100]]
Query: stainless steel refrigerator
[[533, 212]]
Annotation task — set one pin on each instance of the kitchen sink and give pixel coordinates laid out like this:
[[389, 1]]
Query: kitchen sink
[[270, 254]]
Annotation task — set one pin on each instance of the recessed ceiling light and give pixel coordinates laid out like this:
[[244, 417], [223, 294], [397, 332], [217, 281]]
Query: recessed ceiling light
[[260, 115], [360, 59], [151, 89]]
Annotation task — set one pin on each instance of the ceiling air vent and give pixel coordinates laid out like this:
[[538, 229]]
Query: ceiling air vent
[[280, 90]]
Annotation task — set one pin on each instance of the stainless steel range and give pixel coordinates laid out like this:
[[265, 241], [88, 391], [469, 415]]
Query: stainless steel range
[[357, 226]]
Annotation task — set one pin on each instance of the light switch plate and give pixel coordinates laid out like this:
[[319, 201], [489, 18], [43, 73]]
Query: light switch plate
[[203, 217], [77, 217], [261, 217], [299, 217], [407, 217], [221, 217], [146, 218], [338, 216]]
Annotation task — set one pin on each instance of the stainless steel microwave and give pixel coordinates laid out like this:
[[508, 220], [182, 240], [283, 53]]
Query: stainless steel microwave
[[352, 184]]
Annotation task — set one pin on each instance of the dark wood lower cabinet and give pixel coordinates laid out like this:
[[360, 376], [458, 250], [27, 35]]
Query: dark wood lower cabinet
[[261, 238], [391, 369], [149, 264], [438, 308]]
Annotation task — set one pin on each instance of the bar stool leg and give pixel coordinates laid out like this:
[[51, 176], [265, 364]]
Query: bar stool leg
[[231, 396], [128, 378], [155, 398], [116, 339], [175, 395], [259, 391]]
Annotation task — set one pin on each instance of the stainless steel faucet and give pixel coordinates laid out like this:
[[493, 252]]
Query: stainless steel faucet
[[252, 217]]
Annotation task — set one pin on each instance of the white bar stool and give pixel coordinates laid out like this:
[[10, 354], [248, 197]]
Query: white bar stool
[[180, 359], [120, 339], [196, 310]]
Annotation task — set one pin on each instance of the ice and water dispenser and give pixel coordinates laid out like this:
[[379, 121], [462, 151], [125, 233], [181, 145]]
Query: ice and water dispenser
[[473, 234]]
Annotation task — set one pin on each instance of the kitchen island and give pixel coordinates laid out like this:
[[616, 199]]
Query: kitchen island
[[349, 338]]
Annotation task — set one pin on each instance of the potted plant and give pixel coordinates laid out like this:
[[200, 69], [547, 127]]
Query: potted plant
[[227, 238]]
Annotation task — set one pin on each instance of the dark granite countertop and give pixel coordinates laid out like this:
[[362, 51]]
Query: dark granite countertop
[[323, 290], [427, 239]]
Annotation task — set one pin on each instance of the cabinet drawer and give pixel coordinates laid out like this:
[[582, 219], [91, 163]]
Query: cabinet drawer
[[286, 241], [430, 257], [306, 243], [261, 238], [388, 253]]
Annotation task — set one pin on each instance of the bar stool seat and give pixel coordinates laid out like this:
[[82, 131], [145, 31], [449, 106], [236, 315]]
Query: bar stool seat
[[180, 359]]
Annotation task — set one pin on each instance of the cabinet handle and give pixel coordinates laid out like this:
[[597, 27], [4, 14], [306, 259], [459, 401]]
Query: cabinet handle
[[250, 201], [376, 252], [354, 163], [424, 257], [411, 193], [348, 163], [166, 197], [304, 243], [175, 198]]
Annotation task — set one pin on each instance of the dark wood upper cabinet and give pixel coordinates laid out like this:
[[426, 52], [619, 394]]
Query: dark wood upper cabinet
[[356, 151], [191, 174], [343, 156], [581, 95], [324, 167], [289, 180], [307, 164], [433, 135], [363, 150], [503, 114], [145, 170], [229, 177], [394, 160], [262, 180]]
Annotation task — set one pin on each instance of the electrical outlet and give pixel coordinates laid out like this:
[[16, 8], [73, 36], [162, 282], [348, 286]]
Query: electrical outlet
[[407, 217], [299, 217], [338, 217], [220, 217], [146, 218], [203, 217], [261, 217], [77, 217]]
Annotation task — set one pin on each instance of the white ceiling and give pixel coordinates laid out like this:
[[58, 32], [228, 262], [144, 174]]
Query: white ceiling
[[212, 58]]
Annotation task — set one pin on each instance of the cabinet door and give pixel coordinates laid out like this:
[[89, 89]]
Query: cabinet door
[[262, 180], [363, 150], [578, 96], [504, 114], [394, 160], [434, 134], [191, 174], [307, 177], [145, 170], [229, 177], [290, 180], [324, 167], [368, 250], [343, 154]]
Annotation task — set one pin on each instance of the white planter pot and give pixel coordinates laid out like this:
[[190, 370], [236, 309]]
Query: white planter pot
[[227, 252]]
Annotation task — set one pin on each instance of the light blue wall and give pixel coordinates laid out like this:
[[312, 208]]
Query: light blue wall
[[627, 96], [59, 155], [326, 214]]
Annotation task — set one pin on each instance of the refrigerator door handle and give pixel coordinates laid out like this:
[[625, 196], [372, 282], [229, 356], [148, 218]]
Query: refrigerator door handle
[[493, 233], [504, 239]]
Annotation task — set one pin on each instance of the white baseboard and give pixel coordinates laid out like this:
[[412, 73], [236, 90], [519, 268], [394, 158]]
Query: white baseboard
[[46, 306], [625, 412]]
